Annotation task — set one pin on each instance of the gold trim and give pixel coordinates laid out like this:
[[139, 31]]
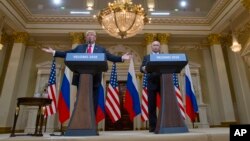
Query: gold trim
[[5, 129], [21, 37], [77, 37], [226, 41], [228, 123], [149, 38], [214, 39], [163, 38]]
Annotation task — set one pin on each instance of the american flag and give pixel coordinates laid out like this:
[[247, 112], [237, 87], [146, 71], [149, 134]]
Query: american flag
[[112, 104], [178, 95], [144, 103], [51, 109]]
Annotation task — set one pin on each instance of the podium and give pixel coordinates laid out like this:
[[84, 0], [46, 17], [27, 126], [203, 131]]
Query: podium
[[169, 118], [82, 121]]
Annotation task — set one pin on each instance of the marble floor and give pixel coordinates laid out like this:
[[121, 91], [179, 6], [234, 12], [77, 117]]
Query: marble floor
[[198, 134]]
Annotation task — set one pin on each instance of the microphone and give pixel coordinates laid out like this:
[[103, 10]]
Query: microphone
[[88, 41]]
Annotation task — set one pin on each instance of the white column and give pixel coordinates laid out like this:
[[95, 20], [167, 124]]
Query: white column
[[11, 82], [3, 52], [223, 89], [24, 85], [214, 106], [241, 86]]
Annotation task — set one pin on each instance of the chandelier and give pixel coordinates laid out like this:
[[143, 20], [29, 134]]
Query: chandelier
[[122, 19], [236, 47], [1, 27]]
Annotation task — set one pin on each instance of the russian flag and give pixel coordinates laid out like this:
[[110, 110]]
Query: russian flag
[[191, 103], [132, 101], [64, 98], [100, 112]]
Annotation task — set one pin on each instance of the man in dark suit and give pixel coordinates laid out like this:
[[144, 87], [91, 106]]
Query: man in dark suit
[[90, 47], [153, 86]]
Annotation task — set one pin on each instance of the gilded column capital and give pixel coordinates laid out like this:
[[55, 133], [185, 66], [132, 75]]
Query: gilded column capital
[[4, 38], [163, 38], [214, 39], [246, 4], [21, 37], [226, 41], [76, 37], [149, 38], [139, 75]]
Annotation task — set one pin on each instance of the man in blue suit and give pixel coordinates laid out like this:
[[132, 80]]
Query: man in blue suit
[[153, 86], [89, 47]]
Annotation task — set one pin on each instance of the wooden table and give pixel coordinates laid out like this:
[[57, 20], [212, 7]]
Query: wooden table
[[32, 101]]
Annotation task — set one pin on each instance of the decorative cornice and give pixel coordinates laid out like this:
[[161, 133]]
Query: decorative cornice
[[187, 47], [149, 38], [76, 37], [21, 37], [35, 18], [214, 39], [57, 45], [214, 12], [163, 38]]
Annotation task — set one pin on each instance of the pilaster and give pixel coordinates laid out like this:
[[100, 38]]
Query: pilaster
[[222, 81], [12, 79]]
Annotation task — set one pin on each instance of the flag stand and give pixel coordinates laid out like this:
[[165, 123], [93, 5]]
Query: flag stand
[[61, 130], [147, 125], [193, 124], [45, 126]]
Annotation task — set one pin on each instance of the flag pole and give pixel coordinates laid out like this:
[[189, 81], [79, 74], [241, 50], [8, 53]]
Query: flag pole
[[61, 130]]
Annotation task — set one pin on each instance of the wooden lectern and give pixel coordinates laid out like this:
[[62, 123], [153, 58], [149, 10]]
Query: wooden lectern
[[169, 119], [82, 121]]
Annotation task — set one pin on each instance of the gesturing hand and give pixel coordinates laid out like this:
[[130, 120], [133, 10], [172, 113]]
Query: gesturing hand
[[48, 50], [126, 56]]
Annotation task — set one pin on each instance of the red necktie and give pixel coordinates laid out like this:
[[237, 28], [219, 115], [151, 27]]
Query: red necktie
[[89, 49]]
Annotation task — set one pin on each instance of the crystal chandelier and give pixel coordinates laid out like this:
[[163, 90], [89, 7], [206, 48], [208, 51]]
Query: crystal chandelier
[[1, 27], [236, 47], [122, 19]]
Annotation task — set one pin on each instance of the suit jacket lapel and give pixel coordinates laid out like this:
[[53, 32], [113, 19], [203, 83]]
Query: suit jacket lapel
[[84, 48], [95, 49]]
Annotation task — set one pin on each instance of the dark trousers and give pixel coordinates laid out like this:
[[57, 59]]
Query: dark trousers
[[152, 93]]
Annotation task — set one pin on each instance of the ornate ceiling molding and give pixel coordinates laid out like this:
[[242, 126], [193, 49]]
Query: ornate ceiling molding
[[216, 9], [244, 38], [35, 18]]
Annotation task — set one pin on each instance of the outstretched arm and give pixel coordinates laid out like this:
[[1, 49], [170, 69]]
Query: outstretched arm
[[126, 56], [49, 50], [55, 53]]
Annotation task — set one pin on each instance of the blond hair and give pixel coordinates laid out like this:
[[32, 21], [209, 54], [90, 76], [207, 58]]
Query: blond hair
[[90, 31]]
